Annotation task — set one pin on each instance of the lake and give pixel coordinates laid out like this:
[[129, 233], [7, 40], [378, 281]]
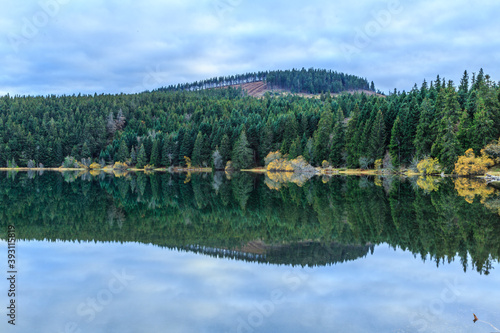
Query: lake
[[249, 253]]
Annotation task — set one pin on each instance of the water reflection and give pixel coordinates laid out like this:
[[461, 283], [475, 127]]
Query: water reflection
[[295, 221]]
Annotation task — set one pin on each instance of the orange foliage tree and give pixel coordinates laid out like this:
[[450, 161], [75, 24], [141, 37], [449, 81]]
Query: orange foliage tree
[[469, 164]]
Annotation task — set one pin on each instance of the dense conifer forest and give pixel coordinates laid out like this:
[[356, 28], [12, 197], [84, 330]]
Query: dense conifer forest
[[213, 126]]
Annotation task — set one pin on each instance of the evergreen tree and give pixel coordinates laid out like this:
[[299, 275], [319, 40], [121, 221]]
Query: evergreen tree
[[424, 136], [141, 157], [242, 155], [166, 151], [395, 145], [133, 156], [352, 138], [337, 148], [198, 146], [85, 151], [322, 137], [463, 90], [225, 149], [483, 127], [377, 137], [447, 147], [290, 133], [122, 154], [155, 153], [295, 149]]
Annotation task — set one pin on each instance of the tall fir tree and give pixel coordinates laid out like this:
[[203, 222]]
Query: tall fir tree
[[337, 149], [322, 137], [242, 155], [141, 157], [377, 137], [424, 136], [155, 153], [483, 127], [395, 145], [122, 154], [352, 138]]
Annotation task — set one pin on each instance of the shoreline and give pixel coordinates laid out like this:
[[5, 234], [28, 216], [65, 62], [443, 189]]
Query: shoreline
[[492, 176]]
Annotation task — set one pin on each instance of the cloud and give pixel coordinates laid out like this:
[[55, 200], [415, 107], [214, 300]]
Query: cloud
[[66, 47]]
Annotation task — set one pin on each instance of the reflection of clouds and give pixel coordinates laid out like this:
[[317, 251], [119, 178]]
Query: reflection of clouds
[[186, 292]]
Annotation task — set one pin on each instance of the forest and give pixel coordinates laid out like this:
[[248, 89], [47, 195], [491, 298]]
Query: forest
[[208, 127], [323, 221]]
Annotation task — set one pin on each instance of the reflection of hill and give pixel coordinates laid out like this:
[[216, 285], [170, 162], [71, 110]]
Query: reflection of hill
[[213, 212], [303, 254]]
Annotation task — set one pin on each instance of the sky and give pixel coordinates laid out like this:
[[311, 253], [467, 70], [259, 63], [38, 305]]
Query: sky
[[114, 46], [129, 287]]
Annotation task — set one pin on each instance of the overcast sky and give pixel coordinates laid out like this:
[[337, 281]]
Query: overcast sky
[[113, 46]]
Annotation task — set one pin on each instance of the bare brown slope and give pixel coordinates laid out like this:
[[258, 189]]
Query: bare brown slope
[[258, 89]]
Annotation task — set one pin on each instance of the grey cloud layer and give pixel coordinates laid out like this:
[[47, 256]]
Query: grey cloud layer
[[66, 47]]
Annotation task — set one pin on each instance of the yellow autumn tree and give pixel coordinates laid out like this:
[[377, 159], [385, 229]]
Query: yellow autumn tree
[[469, 164], [429, 166]]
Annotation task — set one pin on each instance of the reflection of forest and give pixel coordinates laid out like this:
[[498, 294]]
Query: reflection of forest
[[322, 221]]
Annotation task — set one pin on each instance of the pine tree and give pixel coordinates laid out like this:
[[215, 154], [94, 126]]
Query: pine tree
[[133, 156], [242, 155], [424, 136], [322, 137], [377, 137], [122, 154], [352, 138], [85, 151], [295, 149], [290, 133], [463, 90], [225, 149], [166, 151], [198, 146], [337, 148], [141, 157], [395, 145], [446, 147], [155, 153], [483, 127]]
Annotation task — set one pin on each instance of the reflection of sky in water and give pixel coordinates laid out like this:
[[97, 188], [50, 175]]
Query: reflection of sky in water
[[389, 291]]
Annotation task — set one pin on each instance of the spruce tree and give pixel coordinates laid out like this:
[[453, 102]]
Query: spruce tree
[[122, 154], [242, 155], [155, 154], [377, 137], [337, 146], [196, 158], [85, 151], [395, 145], [483, 127], [225, 149], [322, 137], [295, 149], [352, 138], [425, 136], [141, 157]]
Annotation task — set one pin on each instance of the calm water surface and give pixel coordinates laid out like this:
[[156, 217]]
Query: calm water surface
[[245, 253]]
